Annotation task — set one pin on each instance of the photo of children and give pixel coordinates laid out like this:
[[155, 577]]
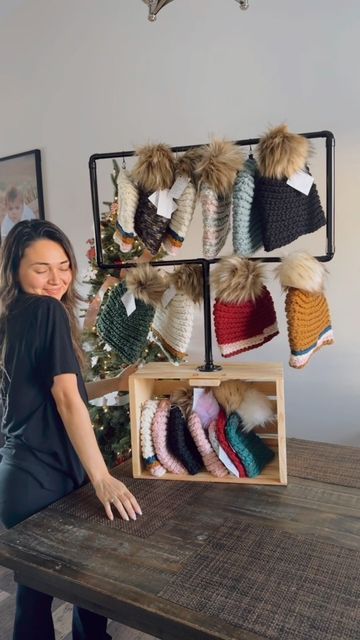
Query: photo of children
[[21, 196]]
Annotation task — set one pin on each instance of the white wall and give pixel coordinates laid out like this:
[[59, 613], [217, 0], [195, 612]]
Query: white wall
[[85, 76]]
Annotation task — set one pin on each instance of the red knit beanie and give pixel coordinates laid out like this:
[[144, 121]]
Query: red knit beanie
[[244, 312]]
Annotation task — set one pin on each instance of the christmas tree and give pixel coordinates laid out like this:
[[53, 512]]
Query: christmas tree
[[110, 414]]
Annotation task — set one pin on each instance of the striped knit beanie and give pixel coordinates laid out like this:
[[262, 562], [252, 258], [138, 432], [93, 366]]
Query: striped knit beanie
[[307, 311], [154, 171], [286, 214], [217, 169], [128, 199], [253, 452], [244, 313], [183, 215], [173, 324], [247, 235]]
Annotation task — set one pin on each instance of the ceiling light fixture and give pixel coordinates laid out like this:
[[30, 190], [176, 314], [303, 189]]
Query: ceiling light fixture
[[155, 6]]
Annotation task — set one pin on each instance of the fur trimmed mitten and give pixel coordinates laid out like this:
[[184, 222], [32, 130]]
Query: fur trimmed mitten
[[173, 324], [247, 234], [128, 199], [244, 313], [182, 217], [286, 213], [307, 311], [217, 169], [154, 171]]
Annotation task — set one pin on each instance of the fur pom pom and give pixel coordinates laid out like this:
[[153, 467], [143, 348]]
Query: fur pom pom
[[220, 161], [281, 153], [188, 279], [155, 167], [146, 283], [230, 394], [302, 271], [237, 280], [183, 398], [255, 410], [187, 163]]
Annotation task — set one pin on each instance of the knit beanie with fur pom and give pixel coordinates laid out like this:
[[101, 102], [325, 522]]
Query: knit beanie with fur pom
[[244, 313], [307, 311], [247, 234]]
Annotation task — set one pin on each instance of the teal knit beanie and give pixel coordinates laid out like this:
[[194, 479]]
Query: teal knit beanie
[[247, 236], [126, 334], [252, 450]]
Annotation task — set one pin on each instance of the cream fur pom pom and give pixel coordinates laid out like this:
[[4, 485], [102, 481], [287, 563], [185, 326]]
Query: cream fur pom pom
[[302, 271], [237, 280]]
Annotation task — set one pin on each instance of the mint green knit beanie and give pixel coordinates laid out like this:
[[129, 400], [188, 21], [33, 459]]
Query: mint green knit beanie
[[247, 235]]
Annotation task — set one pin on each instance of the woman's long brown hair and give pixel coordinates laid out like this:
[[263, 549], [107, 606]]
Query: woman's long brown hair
[[20, 237]]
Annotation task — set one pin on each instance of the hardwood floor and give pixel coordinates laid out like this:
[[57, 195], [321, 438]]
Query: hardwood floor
[[62, 613]]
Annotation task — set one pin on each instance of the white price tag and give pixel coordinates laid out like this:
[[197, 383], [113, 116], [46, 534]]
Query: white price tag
[[179, 187], [301, 181], [128, 301], [166, 205], [169, 294], [197, 393], [154, 198], [94, 360], [227, 462]]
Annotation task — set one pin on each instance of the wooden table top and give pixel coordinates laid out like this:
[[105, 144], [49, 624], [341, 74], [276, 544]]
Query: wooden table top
[[121, 575]]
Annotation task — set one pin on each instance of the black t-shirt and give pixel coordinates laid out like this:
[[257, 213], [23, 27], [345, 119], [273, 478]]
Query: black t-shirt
[[38, 347]]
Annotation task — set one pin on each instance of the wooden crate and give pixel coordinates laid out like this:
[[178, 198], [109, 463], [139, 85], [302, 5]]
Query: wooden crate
[[160, 379]]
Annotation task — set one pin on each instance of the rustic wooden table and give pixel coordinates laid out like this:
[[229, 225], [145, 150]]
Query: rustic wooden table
[[120, 575]]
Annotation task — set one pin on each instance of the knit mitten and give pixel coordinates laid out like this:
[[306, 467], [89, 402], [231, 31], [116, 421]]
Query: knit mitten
[[306, 307], [252, 450], [128, 199], [154, 171], [217, 171], [146, 440], [247, 235], [286, 214], [244, 313]]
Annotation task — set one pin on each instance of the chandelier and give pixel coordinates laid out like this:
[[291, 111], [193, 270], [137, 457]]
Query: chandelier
[[156, 5]]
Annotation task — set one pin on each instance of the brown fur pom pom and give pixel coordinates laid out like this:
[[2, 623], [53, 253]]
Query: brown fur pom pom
[[281, 153], [253, 406], [183, 398], [188, 279], [302, 271], [237, 280], [155, 167], [187, 163], [220, 161], [146, 283]]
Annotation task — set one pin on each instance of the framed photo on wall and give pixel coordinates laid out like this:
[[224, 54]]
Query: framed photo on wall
[[21, 190]]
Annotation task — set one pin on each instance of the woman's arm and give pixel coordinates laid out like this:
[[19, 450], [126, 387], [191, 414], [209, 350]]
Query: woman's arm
[[100, 388], [76, 419]]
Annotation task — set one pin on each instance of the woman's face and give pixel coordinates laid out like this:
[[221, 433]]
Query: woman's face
[[45, 269]]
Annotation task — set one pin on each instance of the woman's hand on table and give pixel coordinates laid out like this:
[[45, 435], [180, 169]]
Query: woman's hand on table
[[113, 494]]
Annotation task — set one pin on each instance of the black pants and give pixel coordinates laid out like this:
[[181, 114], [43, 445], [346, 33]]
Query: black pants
[[21, 495]]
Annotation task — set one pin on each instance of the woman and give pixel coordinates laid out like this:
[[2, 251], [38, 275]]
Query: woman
[[50, 446]]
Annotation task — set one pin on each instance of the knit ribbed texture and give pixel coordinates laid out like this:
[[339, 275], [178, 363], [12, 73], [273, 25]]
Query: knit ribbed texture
[[286, 214], [309, 325], [159, 429], [251, 449], [181, 443], [149, 226], [245, 326], [128, 198], [216, 446], [126, 334], [209, 457], [180, 220], [223, 442], [146, 440], [247, 234], [216, 221], [172, 327]]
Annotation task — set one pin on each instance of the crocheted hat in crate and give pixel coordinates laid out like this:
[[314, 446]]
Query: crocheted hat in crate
[[307, 311], [247, 234], [217, 169], [244, 313], [154, 171], [183, 215], [224, 444], [181, 443], [252, 450], [148, 453], [128, 199], [286, 214], [173, 324], [159, 429]]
